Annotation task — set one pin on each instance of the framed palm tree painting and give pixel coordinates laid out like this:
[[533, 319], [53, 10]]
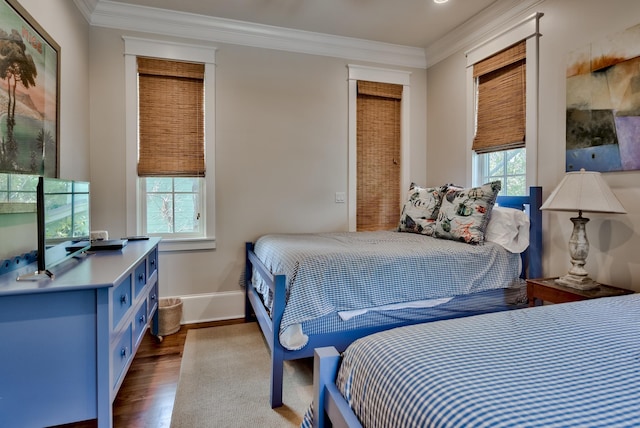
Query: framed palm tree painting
[[29, 95]]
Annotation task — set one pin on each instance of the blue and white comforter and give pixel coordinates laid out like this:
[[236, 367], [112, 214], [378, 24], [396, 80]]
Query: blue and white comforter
[[331, 272], [568, 365]]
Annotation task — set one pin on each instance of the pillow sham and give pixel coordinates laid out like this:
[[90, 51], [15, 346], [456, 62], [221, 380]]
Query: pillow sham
[[464, 212], [421, 209], [508, 227]]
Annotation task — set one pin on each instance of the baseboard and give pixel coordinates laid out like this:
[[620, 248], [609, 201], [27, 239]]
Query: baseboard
[[212, 307]]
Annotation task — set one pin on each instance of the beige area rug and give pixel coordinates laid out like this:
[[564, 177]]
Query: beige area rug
[[225, 378]]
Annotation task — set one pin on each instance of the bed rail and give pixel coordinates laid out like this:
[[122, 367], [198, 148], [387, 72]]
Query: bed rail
[[254, 308], [328, 403]]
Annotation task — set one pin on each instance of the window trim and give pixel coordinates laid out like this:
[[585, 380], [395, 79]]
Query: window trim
[[135, 47], [527, 29]]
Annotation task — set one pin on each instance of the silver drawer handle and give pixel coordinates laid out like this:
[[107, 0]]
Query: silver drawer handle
[[142, 319], [123, 352], [123, 299]]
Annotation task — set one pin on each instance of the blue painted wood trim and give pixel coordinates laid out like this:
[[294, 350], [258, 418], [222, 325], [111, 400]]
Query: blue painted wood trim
[[325, 367], [103, 359], [254, 308], [18, 262], [535, 235], [248, 311], [277, 352], [330, 407]]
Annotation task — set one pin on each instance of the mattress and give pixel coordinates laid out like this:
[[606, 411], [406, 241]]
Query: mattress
[[566, 365], [332, 272]]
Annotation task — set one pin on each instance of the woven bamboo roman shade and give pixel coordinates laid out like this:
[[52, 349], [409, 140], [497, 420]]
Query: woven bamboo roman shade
[[171, 118], [501, 107], [377, 89], [378, 156]]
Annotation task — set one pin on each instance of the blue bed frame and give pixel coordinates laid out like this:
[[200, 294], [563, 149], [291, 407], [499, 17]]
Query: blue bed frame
[[256, 311]]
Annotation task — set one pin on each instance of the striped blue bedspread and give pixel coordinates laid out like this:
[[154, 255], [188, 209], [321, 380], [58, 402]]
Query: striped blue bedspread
[[330, 272], [567, 365]]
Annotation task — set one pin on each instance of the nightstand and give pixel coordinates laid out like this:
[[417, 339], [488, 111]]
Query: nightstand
[[546, 290]]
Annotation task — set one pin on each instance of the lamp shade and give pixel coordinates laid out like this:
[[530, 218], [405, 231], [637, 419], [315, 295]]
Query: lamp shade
[[583, 191]]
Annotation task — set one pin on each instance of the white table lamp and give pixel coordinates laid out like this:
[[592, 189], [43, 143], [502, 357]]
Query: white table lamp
[[581, 191]]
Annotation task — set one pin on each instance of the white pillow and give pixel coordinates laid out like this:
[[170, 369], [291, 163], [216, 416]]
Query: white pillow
[[508, 227]]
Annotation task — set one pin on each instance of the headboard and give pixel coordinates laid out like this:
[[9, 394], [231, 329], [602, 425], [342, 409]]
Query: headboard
[[532, 257]]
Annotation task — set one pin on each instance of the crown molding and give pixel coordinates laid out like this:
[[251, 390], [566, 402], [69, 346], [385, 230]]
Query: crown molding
[[86, 7], [109, 14], [480, 27]]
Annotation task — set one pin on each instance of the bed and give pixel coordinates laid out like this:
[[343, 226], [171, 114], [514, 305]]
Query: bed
[[565, 365], [326, 311]]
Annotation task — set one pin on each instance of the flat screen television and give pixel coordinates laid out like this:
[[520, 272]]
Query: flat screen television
[[62, 218]]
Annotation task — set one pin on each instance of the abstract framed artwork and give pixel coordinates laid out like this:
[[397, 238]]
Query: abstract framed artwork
[[29, 94], [603, 104]]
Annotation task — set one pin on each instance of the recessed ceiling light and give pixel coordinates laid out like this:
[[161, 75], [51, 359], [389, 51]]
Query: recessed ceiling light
[[440, 1]]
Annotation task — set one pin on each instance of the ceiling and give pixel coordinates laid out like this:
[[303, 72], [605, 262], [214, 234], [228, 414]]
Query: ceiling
[[416, 23]]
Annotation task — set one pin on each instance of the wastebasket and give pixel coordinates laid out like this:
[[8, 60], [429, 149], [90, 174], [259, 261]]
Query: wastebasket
[[169, 315]]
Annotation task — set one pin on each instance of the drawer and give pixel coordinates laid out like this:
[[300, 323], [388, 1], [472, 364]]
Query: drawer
[[140, 277], [121, 300], [121, 354], [153, 300], [153, 261], [140, 324]]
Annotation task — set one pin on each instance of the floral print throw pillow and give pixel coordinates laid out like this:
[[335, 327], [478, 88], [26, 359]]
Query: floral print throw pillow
[[464, 213], [420, 211]]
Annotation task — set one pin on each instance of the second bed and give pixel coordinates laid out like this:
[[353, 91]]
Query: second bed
[[313, 290]]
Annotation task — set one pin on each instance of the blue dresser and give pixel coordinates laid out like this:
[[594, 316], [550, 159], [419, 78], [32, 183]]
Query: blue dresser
[[66, 344]]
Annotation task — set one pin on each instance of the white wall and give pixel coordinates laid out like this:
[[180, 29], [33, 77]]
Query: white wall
[[281, 154], [566, 26], [66, 25]]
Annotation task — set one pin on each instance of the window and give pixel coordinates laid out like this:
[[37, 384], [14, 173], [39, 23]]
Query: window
[[508, 166], [18, 188], [170, 142], [502, 123], [172, 206], [499, 139], [171, 167], [379, 75], [378, 151]]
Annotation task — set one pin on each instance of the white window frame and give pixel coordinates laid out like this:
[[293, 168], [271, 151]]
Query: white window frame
[[482, 175], [135, 47], [143, 199], [527, 29]]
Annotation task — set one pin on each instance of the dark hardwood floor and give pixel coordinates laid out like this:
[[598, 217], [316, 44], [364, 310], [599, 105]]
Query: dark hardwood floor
[[145, 399]]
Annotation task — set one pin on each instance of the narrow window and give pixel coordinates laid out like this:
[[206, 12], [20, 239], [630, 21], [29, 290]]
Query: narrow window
[[171, 163], [378, 154], [499, 140], [170, 139]]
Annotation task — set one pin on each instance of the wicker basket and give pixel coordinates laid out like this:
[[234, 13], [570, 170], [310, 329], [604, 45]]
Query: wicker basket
[[169, 315]]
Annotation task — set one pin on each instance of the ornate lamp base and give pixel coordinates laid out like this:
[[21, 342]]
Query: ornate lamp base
[[577, 277], [579, 282]]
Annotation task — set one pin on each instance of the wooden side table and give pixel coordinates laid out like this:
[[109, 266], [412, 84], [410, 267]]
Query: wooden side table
[[546, 290]]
